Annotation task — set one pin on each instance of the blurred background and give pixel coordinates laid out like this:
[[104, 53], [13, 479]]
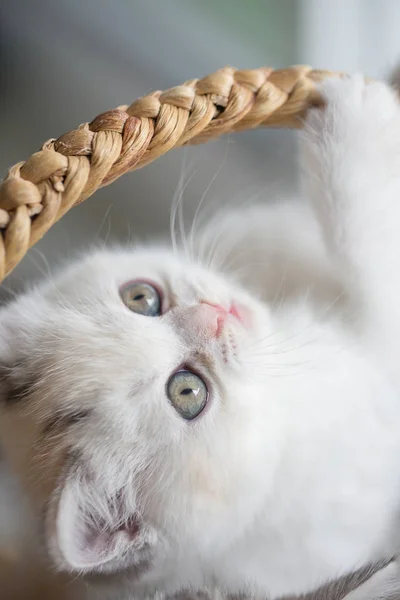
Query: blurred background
[[64, 61]]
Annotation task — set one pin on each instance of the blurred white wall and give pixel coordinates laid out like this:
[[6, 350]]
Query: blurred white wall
[[350, 35]]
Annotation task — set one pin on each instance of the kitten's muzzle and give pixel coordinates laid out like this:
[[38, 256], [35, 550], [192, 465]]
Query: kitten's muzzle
[[210, 318]]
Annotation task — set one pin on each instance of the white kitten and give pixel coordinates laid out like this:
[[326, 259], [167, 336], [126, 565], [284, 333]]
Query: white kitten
[[176, 429]]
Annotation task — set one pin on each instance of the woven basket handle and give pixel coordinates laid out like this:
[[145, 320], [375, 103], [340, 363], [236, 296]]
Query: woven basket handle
[[37, 193]]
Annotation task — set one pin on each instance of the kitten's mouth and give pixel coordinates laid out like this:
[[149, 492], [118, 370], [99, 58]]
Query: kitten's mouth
[[236, 312], [241, 313], [226, 324], [237, 317]]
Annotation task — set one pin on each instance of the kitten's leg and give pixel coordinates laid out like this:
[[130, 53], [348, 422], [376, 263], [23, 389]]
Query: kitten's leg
[[274, 249], [351, 151]]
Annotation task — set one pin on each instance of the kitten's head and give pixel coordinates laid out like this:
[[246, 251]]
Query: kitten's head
[[132, 405]]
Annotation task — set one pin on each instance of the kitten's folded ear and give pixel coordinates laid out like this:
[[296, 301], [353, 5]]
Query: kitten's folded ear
[[90, 532]]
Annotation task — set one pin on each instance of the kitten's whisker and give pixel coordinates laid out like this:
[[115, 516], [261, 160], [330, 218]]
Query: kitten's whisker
[[219, 257], [98, 233], [237, 271], [8, 290], [176, 212], [129, 234], [44, 260], [215, 251], [203, 198], [320, 315], [281, 290], [46, 274]]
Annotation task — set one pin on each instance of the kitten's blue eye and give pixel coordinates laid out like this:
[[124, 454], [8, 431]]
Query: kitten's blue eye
[[142, 298], [187, 393]]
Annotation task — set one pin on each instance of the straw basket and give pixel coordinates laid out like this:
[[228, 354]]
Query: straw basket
[[36, 193]]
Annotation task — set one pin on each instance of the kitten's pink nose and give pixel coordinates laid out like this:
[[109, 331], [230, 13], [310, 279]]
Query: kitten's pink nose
[[210, 318]]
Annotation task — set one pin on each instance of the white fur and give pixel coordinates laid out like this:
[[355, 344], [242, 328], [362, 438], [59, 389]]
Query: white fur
[[291, 476], [384, 585]]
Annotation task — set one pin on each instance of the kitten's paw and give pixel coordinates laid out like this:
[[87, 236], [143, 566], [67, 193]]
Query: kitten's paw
[[352, 105], [356, 93]]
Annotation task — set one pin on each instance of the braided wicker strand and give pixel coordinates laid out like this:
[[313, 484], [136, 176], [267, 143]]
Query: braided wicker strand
[[37, 193]]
